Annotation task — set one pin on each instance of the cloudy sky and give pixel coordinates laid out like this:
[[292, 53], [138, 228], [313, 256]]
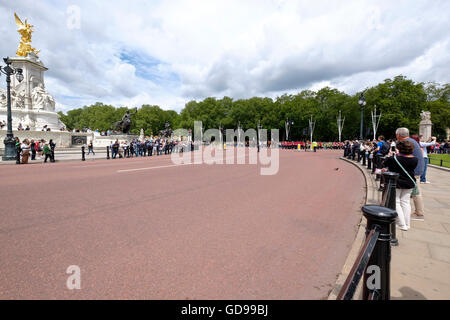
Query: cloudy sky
[[172, 51]]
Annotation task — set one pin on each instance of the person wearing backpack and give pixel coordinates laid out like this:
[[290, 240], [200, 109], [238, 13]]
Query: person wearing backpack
[[383, 147], [47, 153], [381, 150], [404, 164]]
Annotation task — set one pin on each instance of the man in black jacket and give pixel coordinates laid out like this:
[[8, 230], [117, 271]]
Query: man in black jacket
[[52, 148]]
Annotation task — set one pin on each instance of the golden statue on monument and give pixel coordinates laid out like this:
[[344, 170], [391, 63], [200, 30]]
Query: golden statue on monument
[[25, 31]]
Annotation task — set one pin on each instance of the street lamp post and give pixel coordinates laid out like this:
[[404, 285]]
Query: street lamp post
[[340, 123], [312, 126], [288, 123], [258, 134], [10, 144], [221, 135], [362, 103]]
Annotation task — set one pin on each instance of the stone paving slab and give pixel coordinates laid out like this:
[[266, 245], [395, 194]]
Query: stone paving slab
[[441, 253], [428, 237], [412, 287], [429, 225], [414, 264]]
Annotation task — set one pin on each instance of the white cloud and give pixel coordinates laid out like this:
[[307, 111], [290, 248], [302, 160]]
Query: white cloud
[[192, 49]]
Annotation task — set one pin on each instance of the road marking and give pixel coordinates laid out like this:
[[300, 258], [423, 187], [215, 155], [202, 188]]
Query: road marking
[[151, 168], [168, 166], [120, 162]]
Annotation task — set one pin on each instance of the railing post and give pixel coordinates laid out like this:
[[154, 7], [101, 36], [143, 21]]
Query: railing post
[[379, 262], [442, 162], [82, 154], [389, 194], [17, 155], [107, 152]]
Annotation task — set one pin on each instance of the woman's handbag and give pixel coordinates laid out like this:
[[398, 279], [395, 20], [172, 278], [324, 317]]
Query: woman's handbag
[[415, 191]]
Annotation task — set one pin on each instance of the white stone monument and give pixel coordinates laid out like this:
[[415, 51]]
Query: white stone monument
[[31, 104], [425, 125]]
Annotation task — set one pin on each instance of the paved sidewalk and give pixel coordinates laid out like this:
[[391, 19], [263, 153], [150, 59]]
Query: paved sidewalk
[[420, 265], [62, 156]]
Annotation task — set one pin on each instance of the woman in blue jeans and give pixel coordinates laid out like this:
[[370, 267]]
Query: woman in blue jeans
[[423, 146]]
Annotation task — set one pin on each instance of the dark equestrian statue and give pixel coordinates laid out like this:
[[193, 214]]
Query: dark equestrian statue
[[125, 124], [167, 132]]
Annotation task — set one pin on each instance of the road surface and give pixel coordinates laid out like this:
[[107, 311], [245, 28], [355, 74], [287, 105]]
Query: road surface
[[147, 229]]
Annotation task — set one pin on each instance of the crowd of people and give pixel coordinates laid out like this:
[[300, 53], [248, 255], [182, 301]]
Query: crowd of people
[[306, 145], [20, 127], [37, 149], [406, 155], [106, 133], [142, 148]]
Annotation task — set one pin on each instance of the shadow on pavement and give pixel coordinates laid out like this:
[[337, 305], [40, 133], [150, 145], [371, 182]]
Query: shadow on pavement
[[409, 294]]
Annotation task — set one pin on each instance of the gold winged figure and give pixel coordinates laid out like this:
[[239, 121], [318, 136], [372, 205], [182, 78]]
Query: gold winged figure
[[25, 30]]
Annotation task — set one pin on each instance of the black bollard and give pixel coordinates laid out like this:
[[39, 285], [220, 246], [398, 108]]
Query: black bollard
[[18, 156], [82, 154], [388, 199], [107, 152], [382, 218]]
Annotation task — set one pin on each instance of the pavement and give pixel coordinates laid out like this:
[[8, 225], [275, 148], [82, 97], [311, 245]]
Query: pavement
[[420, 268], [148, 229], [69, 154], [420, 265]]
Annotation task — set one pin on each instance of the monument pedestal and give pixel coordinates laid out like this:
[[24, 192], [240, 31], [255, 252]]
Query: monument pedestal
[[425, 125], [31, 104]]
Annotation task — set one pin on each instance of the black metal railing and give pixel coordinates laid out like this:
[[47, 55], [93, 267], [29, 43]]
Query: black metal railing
[[388, 198], [351, 283], [438, 162], [373, 261]]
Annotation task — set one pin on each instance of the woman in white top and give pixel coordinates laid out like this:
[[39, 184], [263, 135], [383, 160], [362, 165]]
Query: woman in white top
[[25, 150], [423, 146]]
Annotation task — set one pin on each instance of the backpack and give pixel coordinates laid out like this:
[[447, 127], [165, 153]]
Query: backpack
[[385, 149]]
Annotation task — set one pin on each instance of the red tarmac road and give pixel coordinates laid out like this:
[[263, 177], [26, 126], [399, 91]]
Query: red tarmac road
[[177, 232]]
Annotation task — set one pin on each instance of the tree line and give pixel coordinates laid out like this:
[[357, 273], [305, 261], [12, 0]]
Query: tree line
[[400, 100]]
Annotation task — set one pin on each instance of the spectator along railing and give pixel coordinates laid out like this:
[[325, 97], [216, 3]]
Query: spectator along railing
[[373, 261]]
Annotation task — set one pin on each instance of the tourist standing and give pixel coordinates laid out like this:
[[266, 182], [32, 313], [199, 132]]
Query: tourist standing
[[52, 150], [402, 135], [40, 148], [33, 150], [18, 150], [47, 153], [424, 145], [91, 148], [404, 164], [25, 151], [115, 149]]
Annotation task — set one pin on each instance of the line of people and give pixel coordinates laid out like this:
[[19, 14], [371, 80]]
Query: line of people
[[137, 148], [407, 156], [39, 148], [302, 145]]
